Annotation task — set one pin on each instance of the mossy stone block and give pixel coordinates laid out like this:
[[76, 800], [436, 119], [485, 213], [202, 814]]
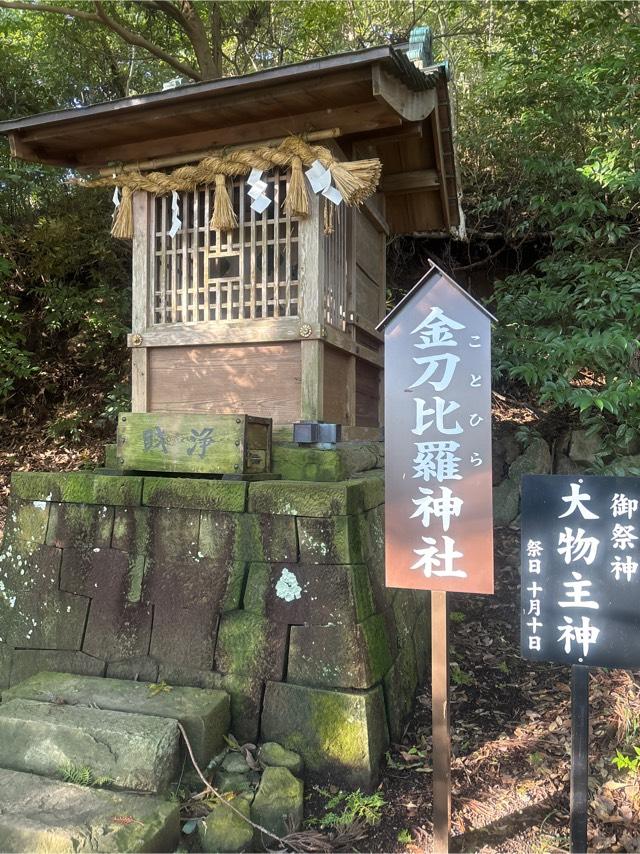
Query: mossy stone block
[[278, 805], [80, 526], [29, 662], [77, 487], [308, 593], [245, 694], [34, 613], [272, 753], [399, 689], [6, 657], [27, 521], [195, 493], [225, 830], [138, 752], [132, 530], [203, 713], [250, 645], [422, 636], [289, 498], [247, 536], [339, 656], [329, 540], [141, 668], [47, 815], [339, 734], [292, 462]]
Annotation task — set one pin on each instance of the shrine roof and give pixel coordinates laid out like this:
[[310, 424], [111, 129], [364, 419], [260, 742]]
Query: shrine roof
[[375, 102]]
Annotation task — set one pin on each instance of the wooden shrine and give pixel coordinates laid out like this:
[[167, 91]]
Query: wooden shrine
[[276, 316]]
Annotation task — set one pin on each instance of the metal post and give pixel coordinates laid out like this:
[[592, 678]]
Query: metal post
[[440, 722], [579, 756]]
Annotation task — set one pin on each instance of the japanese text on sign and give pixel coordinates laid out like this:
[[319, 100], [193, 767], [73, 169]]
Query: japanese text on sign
[[580, 580], [438, 449]]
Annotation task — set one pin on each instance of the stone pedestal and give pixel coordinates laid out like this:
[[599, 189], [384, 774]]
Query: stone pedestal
[[271, 590]]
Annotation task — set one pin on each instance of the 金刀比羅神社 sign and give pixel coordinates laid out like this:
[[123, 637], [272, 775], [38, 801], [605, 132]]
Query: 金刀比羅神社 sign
[[438, 515]]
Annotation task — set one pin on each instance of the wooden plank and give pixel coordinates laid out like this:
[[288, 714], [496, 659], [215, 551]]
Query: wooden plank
[[368, 248], [263, 379], [312, 387], [411, 105], [335, 396], [141, 296], [411, 182], [437, 143], [367, 394], [367, 299], [440, 721], [199, 444], [359, 116]]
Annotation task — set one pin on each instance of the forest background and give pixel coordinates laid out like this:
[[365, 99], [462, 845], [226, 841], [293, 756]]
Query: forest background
[[546, 98]]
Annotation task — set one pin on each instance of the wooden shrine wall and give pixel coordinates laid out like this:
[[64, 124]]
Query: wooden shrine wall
[[262, 379]]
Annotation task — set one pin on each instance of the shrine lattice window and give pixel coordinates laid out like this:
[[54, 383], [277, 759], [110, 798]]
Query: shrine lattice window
[[204, 275]]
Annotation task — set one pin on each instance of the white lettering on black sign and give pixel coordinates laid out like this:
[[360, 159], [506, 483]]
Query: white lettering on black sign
[[580, 580]]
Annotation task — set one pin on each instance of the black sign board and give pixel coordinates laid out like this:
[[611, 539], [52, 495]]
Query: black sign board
[[581, 570]]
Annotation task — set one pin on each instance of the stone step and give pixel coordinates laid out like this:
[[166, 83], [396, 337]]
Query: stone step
[[125, 750], [38, 814], [203, 713]]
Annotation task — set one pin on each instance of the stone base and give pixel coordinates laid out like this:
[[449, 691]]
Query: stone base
[[45, 815], [267, 590]]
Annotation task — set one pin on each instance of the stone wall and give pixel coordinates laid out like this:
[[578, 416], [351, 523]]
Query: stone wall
[[572, 452], [271, 590]]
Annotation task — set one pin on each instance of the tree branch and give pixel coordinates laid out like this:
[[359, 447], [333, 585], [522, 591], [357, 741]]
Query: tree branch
[[139, 41], [101, 17], [46, 7]]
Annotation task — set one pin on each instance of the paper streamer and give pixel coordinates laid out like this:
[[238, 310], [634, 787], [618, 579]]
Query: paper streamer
[[176, 222], [257, 191], [116, 197]]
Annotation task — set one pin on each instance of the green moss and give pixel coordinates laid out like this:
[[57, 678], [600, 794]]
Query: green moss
[[26, 521], [377, 645], [309, 499], [362, 593], [255, 594], [232, 599], [195, 493], [136, 576], [242, 639], [77, 487], [111, 456], [307, 464], [341, 733], [329, 540]]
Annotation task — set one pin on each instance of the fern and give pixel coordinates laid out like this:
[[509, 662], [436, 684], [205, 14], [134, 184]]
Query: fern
[[82, 775]]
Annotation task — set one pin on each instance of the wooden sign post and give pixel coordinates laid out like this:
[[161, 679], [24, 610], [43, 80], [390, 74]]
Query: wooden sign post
[[438, 518], [580, 593]]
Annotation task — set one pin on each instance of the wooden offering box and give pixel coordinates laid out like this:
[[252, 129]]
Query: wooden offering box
[[195, 443], [275, 316]]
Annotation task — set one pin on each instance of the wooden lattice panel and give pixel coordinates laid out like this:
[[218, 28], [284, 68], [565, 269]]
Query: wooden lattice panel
[[205, 275], [334, 247]]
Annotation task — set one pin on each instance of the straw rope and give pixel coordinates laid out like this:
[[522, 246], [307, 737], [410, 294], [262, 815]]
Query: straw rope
[[356, 181]]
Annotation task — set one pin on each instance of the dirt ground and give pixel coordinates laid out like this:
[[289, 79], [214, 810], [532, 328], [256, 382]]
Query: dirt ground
[[511, 742]]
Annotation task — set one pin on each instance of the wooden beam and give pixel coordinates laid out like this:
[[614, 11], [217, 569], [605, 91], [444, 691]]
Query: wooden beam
[[222, 332], [411, 105], [437, 144], [140, 300], [199, 109], [368, 115], [410, 182], [177, 159]]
